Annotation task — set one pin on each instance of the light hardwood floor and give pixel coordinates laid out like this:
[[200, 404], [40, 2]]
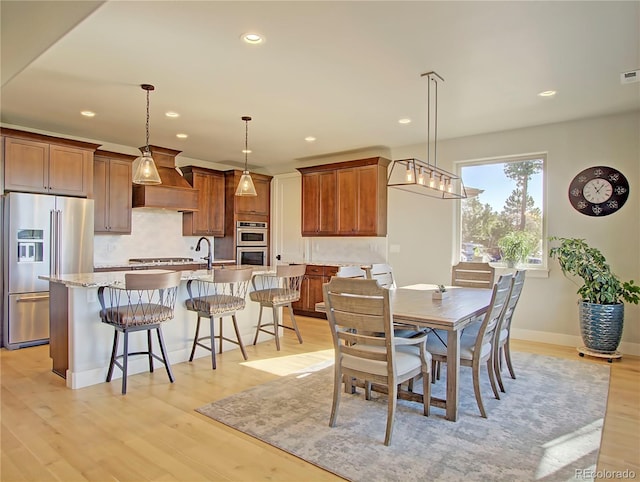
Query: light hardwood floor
[[49, 432]]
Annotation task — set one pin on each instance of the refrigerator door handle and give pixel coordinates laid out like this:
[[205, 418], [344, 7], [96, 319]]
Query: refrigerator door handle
[[52, 242], [26, 299], [58, 242]]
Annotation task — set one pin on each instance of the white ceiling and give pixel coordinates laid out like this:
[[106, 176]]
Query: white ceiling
[[344, 72]]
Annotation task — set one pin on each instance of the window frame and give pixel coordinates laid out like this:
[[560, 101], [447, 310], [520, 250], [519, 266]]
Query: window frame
[[542, 268]]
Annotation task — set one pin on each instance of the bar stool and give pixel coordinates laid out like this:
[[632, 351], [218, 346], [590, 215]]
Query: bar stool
[[222, 295], [142, 304], [276, 292]]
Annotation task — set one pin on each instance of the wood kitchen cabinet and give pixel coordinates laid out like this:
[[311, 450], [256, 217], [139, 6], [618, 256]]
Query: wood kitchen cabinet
[[49, 165], [112, 188], [254, 205], [319, 198], [242, 208], [311, 290], [345, 199], [209, 219]]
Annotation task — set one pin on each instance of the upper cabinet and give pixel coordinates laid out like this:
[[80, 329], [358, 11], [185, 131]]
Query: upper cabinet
[[345, 199], [43, 164], [319, 197], [209, 219], [112, 190], [253, 205]]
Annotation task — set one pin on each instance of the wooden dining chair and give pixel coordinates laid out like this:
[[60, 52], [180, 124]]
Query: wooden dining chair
[[144, 301], [223, 295], [476, 350], [351, 272], [355, 308], [382, 273], [503, 334], [472, 275]]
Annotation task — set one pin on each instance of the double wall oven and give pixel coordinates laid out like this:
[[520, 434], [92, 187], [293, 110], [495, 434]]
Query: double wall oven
[[252, 243]]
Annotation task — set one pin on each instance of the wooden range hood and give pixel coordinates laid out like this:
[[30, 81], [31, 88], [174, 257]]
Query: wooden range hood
[[175, 193]]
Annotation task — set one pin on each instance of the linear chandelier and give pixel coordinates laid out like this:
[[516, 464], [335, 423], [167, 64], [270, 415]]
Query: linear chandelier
[[426, 178]]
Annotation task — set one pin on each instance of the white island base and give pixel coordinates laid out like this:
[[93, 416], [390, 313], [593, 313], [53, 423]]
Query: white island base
[[85, 359]]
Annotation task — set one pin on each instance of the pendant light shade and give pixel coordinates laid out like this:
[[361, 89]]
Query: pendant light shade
[[144, 169], [245, 186], [426, 178]]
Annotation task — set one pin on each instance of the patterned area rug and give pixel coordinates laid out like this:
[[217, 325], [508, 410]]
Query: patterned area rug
[[546, 427]]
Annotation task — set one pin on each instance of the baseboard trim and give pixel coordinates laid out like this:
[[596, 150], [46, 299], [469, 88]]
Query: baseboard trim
[[566, 340]]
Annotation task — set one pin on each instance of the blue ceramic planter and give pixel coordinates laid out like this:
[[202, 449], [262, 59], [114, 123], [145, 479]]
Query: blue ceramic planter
[[601, 326]]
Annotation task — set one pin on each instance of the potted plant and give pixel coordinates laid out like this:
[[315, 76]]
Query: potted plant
[[440, 293], [516, 247], [601, 307]]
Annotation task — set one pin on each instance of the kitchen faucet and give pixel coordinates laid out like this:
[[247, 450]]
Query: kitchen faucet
[[208, 257]]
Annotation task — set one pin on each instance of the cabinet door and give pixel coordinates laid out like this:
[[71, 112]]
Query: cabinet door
[[216, 205], [315, 292], [201, 218], [101, 195], [26, 165], [319, 203], [358, 201], [303, 302], [259, 204], [120, 193], [367, 209], [70, 171], [347, 201]]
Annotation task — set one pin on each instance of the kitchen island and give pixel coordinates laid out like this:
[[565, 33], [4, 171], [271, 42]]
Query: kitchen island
[[80, 344]]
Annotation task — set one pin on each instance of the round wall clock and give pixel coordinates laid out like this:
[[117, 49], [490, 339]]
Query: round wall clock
[[598, 191]]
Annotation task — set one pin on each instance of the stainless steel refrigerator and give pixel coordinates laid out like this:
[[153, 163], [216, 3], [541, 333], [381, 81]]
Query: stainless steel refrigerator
[[42, 235]]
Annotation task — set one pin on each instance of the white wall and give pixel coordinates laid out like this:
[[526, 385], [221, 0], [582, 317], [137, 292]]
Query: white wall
[[423, 228]]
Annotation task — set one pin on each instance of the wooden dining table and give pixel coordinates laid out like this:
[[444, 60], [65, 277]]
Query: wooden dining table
[[414, 305]]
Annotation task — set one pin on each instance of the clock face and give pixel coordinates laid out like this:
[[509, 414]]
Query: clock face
[[598, 191]]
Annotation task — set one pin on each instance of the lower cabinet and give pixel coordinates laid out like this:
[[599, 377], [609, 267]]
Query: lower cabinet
[[311, 290]]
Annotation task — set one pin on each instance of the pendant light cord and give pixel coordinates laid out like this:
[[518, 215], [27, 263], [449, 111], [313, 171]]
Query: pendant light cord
[[147, 120], [246, 144]]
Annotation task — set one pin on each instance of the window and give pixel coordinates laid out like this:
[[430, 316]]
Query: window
[[505, 202]]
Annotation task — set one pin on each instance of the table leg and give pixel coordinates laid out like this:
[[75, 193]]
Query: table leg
[[453, 368]]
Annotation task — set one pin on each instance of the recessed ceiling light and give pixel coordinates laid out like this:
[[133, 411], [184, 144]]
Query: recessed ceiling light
[[246, 151], [404, 121], [253, 38], [182, 136], [88, 113], [547, 93], [310, 139], [172, 114]]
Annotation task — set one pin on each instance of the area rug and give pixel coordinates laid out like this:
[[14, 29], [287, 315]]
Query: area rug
[[547, 426]]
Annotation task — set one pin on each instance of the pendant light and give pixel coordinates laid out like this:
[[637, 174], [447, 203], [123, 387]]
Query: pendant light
[[245, 186], [144, 169], [426, 178]]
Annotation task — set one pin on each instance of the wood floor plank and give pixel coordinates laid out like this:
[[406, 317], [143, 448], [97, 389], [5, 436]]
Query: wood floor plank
[[49, 432]]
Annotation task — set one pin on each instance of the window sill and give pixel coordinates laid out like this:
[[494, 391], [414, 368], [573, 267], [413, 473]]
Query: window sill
[[532, 272]]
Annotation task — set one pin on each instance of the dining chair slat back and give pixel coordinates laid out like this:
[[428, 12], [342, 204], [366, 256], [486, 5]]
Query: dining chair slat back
[[356, 308], [472, 275], [503, 333], [382, 273]]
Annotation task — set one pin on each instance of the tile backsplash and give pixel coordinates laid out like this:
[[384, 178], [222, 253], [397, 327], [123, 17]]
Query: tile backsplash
[[346, 250], [154, 233]]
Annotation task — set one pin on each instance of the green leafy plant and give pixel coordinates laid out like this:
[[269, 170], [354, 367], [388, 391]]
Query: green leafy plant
[[517, 246], [441, 288], [600, 285]]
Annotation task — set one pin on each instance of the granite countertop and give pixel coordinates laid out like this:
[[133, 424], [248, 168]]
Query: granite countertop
[[116, 278], [126, 265]]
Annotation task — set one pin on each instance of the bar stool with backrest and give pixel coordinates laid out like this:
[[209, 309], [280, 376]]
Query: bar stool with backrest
[[223, 294], [277, 292], [145, 301]]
